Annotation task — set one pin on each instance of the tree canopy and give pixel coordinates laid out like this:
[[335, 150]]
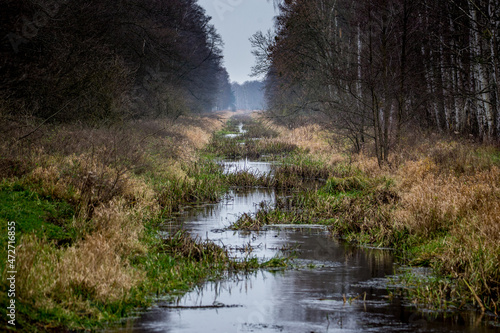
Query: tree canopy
[[96, 59], [373, 68]]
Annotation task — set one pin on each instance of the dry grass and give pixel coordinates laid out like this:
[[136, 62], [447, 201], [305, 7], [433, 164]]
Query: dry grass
[[450, 190], [460, 199], [95, 268], [106, 175], [199, 136], [448, 204], [311, 137]]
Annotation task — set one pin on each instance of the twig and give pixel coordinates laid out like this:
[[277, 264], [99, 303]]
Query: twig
[[43, 122], [215, 306], [483, 309]]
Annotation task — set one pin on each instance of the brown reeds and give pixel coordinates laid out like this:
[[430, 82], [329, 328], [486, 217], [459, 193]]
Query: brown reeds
[[437, 201], [114, 178]]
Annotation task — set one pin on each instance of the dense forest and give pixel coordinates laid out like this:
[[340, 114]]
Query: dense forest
[[374, 68], [99, 60]]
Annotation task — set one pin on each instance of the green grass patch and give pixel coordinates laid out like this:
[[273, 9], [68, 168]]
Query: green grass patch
[[422, 252], [33, 213], [335, 185]]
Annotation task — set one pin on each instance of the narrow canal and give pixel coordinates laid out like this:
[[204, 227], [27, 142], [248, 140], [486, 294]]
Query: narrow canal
[[333, 287]]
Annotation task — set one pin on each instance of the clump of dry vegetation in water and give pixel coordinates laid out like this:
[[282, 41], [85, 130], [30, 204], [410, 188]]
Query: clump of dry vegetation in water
[[256, 140], [86, 266]]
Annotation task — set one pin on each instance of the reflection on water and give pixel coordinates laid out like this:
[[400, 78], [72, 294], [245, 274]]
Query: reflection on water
[[258, 168], [240, 132], [212, 222], [335, 287]]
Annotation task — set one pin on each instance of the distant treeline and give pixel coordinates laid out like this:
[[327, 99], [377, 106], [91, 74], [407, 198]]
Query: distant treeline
[[249, 95], [375, 67], [93, 60]]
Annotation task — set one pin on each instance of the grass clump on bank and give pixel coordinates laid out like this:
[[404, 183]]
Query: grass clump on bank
[[229, 148]]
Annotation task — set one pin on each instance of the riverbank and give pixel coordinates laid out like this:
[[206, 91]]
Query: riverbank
[[437, 205], [87, 204]]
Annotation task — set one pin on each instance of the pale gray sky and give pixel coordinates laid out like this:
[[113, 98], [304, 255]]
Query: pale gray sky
[[236, 21]]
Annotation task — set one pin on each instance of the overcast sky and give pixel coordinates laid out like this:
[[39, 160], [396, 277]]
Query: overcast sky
[[236, 21]]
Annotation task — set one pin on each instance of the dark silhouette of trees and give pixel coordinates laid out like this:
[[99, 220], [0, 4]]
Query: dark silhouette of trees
[[98, 60], [374, 68], [225, 97]]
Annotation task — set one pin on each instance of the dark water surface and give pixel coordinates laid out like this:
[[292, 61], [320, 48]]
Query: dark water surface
[[319, 295]]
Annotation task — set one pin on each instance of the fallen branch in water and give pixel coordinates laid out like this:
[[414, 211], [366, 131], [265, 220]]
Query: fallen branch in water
[[214, 306]]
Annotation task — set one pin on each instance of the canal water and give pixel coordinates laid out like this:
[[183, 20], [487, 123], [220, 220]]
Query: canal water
[[333, 287]]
